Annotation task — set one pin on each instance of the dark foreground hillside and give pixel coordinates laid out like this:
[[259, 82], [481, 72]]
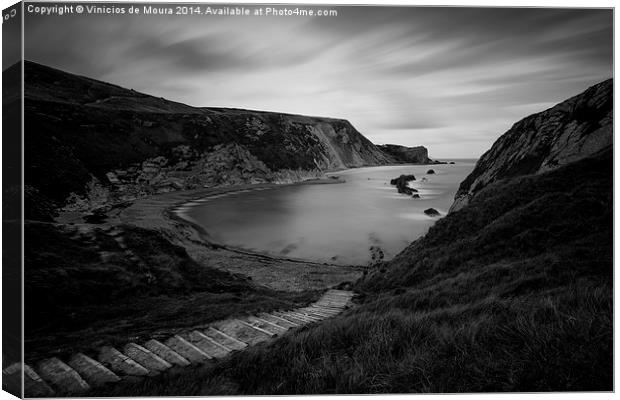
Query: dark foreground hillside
[[511, 293], [85, 288]]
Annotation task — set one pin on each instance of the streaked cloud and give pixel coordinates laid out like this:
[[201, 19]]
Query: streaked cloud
[[453, 79]]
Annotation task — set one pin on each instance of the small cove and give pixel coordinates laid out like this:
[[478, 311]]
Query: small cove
[[338, 223]]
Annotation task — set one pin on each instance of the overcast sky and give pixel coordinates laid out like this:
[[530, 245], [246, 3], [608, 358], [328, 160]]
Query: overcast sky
[[451, 79]]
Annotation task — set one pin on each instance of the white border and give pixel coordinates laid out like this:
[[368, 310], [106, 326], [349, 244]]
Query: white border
[[461, 3]]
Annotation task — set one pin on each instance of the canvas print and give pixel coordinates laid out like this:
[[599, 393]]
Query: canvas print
[[287, 199]]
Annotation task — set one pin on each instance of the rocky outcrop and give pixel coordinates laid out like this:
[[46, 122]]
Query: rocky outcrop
[[407, 155], [402, 184], [572, 130], [80, 131], [431, 212]]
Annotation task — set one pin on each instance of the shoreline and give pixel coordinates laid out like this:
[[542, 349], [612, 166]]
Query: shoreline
[[160, 212], [177, 212], [183, 201], [278, 273]]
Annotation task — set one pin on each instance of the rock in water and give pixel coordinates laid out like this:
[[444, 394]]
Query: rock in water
[[431, 212], [401, 178], [415, 196], [572, 130], [430, 172], [401, 184]]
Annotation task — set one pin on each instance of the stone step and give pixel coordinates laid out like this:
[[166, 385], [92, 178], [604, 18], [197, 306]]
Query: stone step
[[61, 376], [324, 314], [331, 306], [325, 310], [240, 331], [302, 316], [341, 292], [335, 297], [146, 358], [292, 314], [265, 325], [332, 296], [318, 317], [120, 363], [277, 320], [166, 353], [187, 350], [92, 371], [206, 344], [328, 300], [333, 293], [293, 319], [34, 386], [332, 300], [338, 306], [224, 339], [269, 332]]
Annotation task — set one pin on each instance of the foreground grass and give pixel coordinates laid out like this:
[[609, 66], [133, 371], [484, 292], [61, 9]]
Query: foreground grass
[[536, 344], [512, 293]]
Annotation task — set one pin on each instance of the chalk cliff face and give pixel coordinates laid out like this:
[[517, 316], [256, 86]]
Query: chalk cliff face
[[83, 134], [407, 155], [572, 130]]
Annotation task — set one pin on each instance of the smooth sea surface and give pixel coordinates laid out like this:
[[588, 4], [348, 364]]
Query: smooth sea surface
[[336, 223]]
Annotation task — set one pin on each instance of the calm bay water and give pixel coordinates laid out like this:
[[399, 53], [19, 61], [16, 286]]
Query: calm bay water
[[335, 223]]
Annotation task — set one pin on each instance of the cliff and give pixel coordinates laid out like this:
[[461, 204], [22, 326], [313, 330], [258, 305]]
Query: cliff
[[572, 130], [89, 141], [407, 155]]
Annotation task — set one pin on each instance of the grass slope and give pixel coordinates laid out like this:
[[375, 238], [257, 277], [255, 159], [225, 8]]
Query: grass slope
[[511, 293], [75, 301]]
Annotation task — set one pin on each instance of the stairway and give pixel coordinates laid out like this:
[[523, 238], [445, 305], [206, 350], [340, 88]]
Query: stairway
[[55, 377]]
